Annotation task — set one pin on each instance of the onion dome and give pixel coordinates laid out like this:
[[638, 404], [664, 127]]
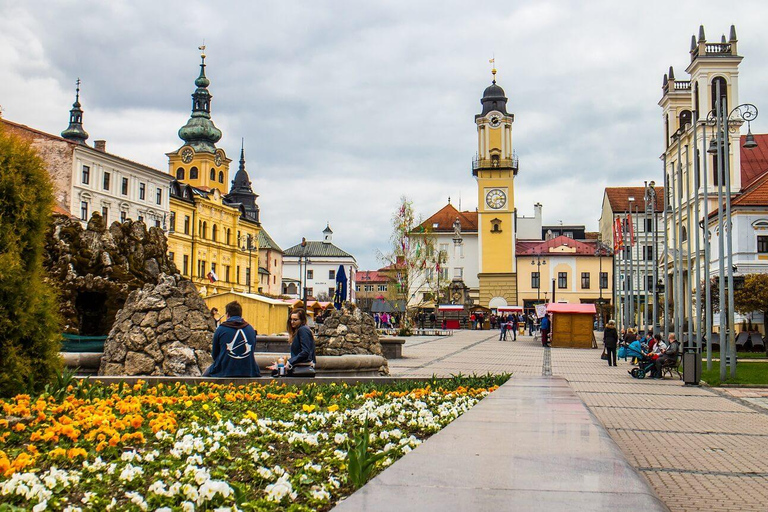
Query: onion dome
[[200, 132], [494, 98], [75, 131]]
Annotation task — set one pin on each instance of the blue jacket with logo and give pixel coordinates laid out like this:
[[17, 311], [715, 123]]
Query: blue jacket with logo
[[234, 343], [302, 347]]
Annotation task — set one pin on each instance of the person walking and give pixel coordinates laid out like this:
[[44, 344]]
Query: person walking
[[545, 331], [514, 325], [611, 341], [502, 329], [233, 346]]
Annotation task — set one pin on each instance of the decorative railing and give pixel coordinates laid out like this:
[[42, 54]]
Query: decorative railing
[[718, 48], [683, 85], [496, 163]]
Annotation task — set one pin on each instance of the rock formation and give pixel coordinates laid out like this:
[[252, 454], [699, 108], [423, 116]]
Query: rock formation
[[349, 331], [94, 269], [163, 329]]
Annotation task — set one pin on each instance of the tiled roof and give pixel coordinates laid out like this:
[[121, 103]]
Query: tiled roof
[[619, 198], [443, 220], [266, 241], [754, 162], [317, 249], [755, 195], [371, 276], [585, 248]]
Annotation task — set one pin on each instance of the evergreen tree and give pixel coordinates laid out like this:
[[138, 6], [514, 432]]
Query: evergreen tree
[[29, 322]]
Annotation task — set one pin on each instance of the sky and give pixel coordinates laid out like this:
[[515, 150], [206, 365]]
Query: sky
[[347, 106]]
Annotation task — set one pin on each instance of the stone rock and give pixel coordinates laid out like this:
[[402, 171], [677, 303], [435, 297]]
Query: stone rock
[[143, 344], [349, 331]]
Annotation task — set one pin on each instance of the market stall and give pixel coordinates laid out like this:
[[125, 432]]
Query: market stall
[[451, 316], [572, 325]]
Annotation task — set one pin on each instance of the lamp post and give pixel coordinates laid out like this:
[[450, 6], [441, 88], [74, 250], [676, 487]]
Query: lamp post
[[600, 301], [304, 275], [631, 289], [538, 262], [720, 146], [247, 245], [650, 212]]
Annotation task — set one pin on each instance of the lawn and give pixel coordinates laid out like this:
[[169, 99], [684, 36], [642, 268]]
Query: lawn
[[739, 355], [746, 373], [89, 447]]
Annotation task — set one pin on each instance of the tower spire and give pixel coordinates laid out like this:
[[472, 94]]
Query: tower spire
[[75, 131], [200, 132]]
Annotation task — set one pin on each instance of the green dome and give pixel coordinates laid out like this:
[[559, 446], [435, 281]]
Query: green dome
[[200, 132]]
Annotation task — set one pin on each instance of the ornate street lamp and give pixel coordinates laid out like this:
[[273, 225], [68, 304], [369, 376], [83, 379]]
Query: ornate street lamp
[[247, 245], [538, 262]]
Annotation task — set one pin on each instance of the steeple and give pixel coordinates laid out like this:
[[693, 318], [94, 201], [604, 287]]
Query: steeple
[[493, 97], [200, 132], [75, 131], [241, 191]]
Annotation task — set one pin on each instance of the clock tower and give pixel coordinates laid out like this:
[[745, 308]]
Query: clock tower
[[495, 168]]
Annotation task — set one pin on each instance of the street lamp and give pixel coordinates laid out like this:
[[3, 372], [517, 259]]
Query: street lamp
[[247, 245], [628, 242], [650, 207], [720, 146], [538, 262], [600, 302], [304, 256]]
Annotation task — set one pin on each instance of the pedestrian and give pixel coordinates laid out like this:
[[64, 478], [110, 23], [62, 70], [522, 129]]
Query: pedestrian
[[503, 329], [377, 319], [233, 346], [513, 326], [216, 317], [611, 341], [531, 323], [302, 362], [545, 331], [432, 319], [473, 319]]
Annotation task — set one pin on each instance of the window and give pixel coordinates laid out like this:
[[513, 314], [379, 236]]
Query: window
[[180, 173], [604, 280], [214, 231], [357, 287], [723, 90], [86, 175], [685, 118], [535, 280], [310, 274], [762, 244], [458, 272], [649, 282], [125, 187], [193, 173], [157, 223], [648, 252], [310, 292], [170, 256], [229, 232], [221, 176], [204, 230], [141, 217], [84, 210], [226, 273], [185, 270], [186, 224], [569, 234], [627, 252], [142, 191], [649, 225], [105, 184], [123, 215], [368, 288], [213, 268], [213, 174], [159, 196], [585, 280], [331, 293], [237, 274], [562, 279], [105, 213], [331, 274], [382, 288], [172, 223]]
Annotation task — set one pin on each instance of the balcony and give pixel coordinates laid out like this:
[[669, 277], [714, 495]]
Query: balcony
[[502, 164], [713, 50]]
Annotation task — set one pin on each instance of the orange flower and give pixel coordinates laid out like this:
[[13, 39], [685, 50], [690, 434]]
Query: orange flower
[[114, 440], [100, 447], [19, 427], [57, 452], [73, 453], [136, 421]]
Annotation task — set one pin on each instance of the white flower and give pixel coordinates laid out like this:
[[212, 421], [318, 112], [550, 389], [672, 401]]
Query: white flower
[[151, 456], [130, 472], [335, 483], [265, 473], [320, 494], [313, 467], [112, 504], [280, 489], [40, 506], [190, 491], [72, 508], [195, 459], [137, 499], [340, 438], [87, 497], [340, 454], [159, 488], [187, 506], [211, 488], [130, 456], [164, 509]]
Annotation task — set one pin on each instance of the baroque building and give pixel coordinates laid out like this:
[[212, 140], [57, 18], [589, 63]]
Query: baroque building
[[213, 235]]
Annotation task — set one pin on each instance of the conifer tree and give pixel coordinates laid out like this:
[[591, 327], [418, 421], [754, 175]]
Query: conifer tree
[[29, 322]]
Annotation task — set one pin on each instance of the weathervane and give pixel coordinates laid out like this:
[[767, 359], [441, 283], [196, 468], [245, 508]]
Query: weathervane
[[492, 62]]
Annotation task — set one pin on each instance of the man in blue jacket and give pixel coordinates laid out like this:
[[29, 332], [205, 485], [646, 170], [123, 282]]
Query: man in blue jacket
[[233, 346]]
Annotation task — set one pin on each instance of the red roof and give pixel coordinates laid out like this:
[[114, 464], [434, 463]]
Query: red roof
[[754, 195], [443, 220], [754, 162], [583, 247], [370, 276], [618, 197], [560, 307]]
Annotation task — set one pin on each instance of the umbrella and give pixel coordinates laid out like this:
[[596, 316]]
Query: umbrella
[[341, 287]]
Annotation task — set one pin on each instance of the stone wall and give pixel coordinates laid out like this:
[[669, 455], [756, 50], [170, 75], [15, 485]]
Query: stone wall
[[163, 329], [94, 269], [349, 331]]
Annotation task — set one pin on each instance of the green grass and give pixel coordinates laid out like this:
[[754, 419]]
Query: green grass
[[739, 355], [747, 373]]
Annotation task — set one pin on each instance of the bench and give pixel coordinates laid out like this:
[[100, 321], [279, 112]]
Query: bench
[[668, 367]]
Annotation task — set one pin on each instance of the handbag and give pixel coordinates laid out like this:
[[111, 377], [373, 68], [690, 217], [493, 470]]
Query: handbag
[[623, 352], [302, 371], [604, 356]]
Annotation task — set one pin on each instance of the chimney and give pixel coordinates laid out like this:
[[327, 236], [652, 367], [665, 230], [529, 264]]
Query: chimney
[[100, 145]]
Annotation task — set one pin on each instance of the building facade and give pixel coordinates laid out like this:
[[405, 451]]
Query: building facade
[[213, 236], [271, 265], [314, 264]]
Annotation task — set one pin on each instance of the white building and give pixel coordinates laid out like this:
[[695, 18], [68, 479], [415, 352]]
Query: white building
[[316, 264]]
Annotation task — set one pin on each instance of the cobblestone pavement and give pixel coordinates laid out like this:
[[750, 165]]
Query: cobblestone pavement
[[701, 449]]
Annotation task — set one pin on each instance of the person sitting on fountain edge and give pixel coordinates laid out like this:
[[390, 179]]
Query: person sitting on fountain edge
[[233, 346]]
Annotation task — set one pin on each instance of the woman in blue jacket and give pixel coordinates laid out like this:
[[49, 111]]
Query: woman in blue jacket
[[302, 342]]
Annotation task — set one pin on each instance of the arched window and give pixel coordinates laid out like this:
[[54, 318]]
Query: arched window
[[696, 99], [221, 176], [213, 232], [685, 118], [685, 234], [180, 173], [229, 232], [723, 90], [193, 173], [213, 174], [205, 229], [666, 128]]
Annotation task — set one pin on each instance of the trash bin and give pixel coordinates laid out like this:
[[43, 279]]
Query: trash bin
[[691, 367]]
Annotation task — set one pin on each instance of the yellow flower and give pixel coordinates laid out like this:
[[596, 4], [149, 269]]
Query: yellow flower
[[188, 403], [19, 427], [76, 452], [333, 408], [206, 407], [57, 452], [251, 415], [308, 408]]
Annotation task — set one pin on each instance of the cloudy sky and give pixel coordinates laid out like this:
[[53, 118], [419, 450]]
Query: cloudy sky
[[345, 105]]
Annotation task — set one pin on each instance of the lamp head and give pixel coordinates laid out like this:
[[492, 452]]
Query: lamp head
[[750, 143], [712, 147]]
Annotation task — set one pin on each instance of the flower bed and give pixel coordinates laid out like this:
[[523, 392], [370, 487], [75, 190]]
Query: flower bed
[[215, 447]]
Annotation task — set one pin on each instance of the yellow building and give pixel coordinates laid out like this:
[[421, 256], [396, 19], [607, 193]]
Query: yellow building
[[573, 270], [266, 315], [495, 168], [213, 237]]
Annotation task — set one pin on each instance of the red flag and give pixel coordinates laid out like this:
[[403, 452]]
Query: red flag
[[631, 229], [618, 237]]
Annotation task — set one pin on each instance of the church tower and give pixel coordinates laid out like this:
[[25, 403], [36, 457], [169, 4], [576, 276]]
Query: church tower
[[495, 168], [75, 131], [198, 162]]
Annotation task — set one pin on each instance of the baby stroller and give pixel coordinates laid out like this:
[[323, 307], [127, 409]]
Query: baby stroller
[[645, 365]]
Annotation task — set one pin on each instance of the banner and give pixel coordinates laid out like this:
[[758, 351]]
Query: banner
[[541, 310], [631, 230], [618, 238]]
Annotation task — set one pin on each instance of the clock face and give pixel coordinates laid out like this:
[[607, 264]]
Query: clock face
[[494, 118], [217, 159], [496, 198], [187, 155]]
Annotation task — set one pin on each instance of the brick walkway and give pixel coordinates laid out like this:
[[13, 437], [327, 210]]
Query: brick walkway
[[701, 449]]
